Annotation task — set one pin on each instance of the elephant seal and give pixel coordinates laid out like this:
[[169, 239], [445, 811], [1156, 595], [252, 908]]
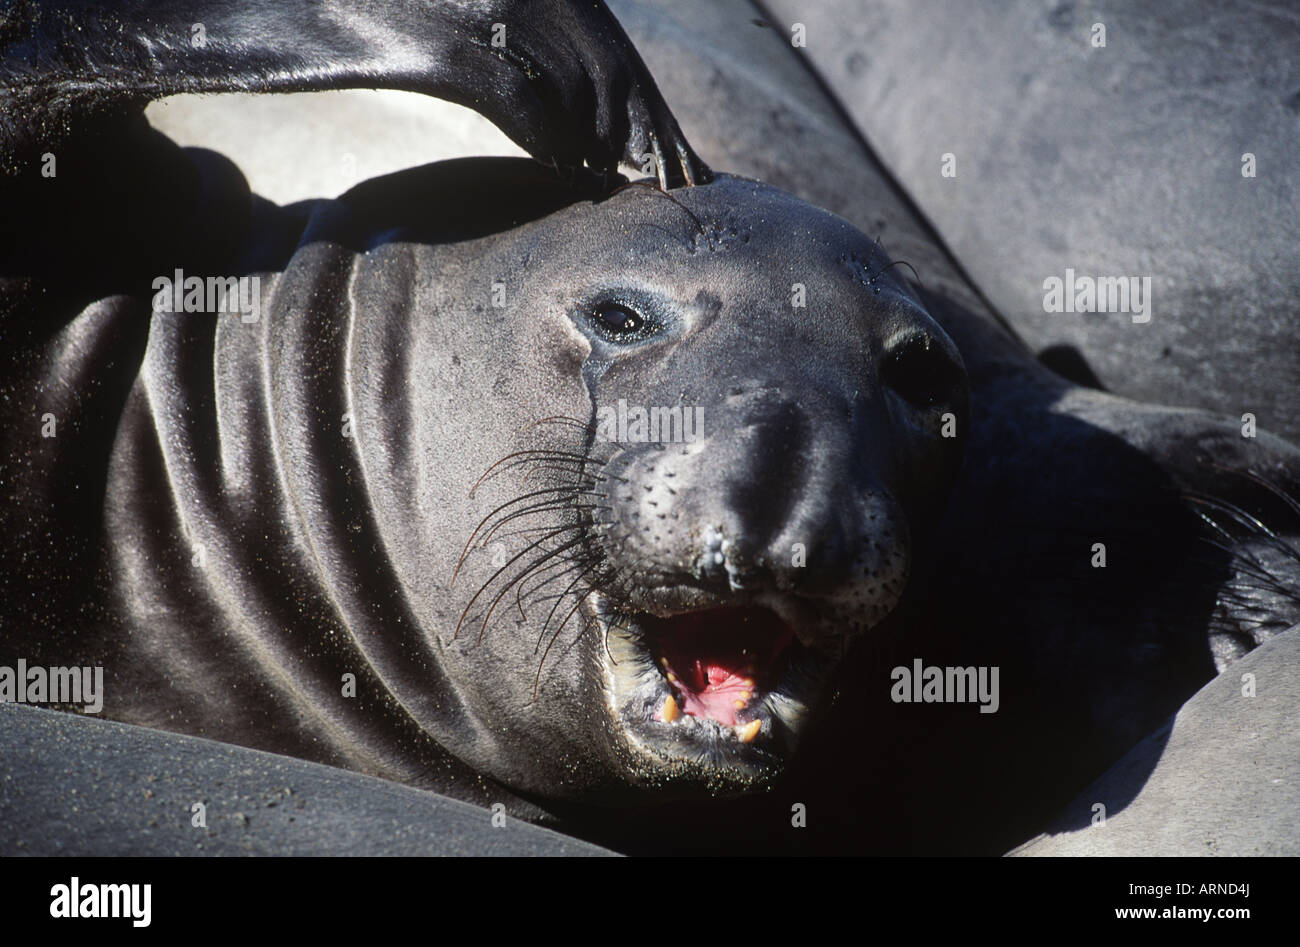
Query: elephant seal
[[234, 588], [286, 488], [112, 207], [1100, 656], [330, 448]]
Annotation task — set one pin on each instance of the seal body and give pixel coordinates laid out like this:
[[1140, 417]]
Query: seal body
[[321, 521]]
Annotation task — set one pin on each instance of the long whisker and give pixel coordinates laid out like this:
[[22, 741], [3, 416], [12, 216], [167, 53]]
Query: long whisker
[[560, 598], [1209, 521], [559, 628], [503, 506], [525, 456], [588, 480], [553, 555], [540, 508], [519, 589], [653, 188], [1234, 511], [1246, 520], [531, 546], [1267, 484], [500, 595], [584, 426], [880, 271]]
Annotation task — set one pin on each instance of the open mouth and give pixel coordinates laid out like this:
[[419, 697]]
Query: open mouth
[[717, 662], [719, 694]]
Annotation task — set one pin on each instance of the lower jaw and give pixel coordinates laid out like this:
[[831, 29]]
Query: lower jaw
[[689, 755]]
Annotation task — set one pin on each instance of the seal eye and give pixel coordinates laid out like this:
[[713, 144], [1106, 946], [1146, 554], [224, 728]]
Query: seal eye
[[921, 372], [619, 323], [618, 320]]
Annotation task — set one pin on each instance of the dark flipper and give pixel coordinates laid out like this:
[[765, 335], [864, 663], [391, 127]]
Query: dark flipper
[[560, 78]]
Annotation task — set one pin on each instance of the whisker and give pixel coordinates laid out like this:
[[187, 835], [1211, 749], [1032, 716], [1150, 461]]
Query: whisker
[[1247, 521], [560, 598], [540, 508], [584, 426], [1243, 562], [1209, 521], [653, 188], [589, 480], [542, 663], [1236, 512], [1264, 482], [503, 506], [522, 575], [533, 530], [525, 456], [916, 275], [519, 589], [483, 587]]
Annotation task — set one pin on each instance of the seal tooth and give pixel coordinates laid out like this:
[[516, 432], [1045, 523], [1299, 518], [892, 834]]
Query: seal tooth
[[670, 711], [739, 704], [749, 731], [744, 695]]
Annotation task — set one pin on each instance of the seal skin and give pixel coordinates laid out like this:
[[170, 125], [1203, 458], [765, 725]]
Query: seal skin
[[235, 515]]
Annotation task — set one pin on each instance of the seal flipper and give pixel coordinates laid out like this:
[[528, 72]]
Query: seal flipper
[[561, 79]]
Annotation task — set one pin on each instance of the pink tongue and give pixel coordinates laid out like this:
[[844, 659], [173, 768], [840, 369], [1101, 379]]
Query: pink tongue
[[718, 698], [713, 658]]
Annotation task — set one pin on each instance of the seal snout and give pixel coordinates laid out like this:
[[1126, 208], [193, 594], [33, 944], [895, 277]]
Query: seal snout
[[774, 504]]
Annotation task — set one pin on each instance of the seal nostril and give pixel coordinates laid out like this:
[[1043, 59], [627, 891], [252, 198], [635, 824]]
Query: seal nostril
[[712, 561]]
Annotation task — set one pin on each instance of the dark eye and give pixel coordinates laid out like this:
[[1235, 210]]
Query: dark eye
[[616, 322], [617, 319], [921, 372]]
